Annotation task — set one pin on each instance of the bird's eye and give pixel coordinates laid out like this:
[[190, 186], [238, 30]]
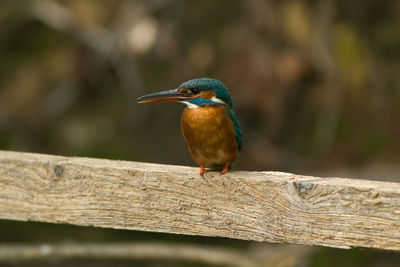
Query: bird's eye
[[195, 91]]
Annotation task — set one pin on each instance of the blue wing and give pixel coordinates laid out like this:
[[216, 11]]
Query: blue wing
[[236, 125]]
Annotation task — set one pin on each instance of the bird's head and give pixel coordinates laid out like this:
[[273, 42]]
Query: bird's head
[[201, 91]]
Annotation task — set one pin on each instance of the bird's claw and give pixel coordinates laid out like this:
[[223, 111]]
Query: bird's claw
[[202, 170], [226, 168]]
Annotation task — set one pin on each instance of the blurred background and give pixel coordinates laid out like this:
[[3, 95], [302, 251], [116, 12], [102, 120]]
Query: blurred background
[[316, 86]]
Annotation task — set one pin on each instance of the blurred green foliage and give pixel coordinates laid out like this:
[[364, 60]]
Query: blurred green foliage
[[313, 82]]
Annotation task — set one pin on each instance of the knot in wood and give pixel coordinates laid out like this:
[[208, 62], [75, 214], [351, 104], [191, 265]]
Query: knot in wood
[[58, 170], [302, 188]]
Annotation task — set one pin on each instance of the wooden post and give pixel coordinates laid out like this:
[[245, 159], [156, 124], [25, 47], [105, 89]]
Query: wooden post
[[262, 206]]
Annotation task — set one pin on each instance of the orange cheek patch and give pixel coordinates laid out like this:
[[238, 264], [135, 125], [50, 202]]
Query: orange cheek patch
[[207, 94]]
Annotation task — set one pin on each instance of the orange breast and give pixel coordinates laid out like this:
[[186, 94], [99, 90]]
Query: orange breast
[[210, 135]]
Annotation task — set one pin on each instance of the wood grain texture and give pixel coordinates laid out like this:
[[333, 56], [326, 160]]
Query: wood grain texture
[[262, 206]]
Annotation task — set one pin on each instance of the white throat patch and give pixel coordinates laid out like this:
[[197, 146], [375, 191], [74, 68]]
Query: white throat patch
[[214, 99], [189, 105], [217, 100]]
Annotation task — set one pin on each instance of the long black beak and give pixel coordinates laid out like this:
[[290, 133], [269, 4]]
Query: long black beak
[[164, 96]]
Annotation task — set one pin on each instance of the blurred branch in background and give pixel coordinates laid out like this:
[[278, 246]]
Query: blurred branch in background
[[62, 19], [106, 43], [260, 255]]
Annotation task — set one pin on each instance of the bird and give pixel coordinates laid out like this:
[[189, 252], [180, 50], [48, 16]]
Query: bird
[[209, 125]]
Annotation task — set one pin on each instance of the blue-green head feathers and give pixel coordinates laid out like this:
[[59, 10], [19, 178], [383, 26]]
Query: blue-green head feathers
[[208, 84]]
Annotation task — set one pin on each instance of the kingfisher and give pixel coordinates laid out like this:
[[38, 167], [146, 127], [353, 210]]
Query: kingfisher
[[209, 124]]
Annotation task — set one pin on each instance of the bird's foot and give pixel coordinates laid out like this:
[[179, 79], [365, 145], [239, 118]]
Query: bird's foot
[[202, 170], [226, 168]]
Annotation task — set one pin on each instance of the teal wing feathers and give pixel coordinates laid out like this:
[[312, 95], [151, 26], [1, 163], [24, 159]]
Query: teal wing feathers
[[236, 125]]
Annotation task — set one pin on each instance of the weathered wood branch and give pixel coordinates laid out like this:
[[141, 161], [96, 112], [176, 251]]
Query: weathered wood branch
[[261, 206]]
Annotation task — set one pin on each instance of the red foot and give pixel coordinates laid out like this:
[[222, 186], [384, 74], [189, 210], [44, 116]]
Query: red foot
[[225, 170], [202, 170]]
